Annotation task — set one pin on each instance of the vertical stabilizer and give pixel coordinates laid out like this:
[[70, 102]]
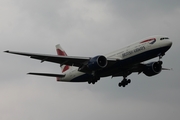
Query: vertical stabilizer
[[61, 52]]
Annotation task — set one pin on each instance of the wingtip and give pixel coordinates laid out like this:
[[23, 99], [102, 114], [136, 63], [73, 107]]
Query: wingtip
[[29, 73], [7, 51]]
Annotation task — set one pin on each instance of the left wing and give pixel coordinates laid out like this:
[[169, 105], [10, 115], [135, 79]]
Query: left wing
[[48, 74], [63, 60]]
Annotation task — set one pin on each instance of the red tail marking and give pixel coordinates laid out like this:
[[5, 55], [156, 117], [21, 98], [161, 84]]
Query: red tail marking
[[65, 68], [60, 52], [58, 79], [63, 53]]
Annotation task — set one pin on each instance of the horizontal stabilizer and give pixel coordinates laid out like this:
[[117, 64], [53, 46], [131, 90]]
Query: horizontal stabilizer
[[48, 74]]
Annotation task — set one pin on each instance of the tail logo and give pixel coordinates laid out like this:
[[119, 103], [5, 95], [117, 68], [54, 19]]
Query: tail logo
[[61, 52], [65, 68]]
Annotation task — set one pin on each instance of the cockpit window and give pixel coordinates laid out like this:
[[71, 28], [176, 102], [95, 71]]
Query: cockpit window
[[164, 38]]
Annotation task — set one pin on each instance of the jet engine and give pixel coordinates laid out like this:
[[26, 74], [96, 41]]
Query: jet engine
[[153, 68], [97, 63]]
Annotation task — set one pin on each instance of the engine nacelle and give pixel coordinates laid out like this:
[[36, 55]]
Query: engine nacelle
[[97, 63], [153, 68]]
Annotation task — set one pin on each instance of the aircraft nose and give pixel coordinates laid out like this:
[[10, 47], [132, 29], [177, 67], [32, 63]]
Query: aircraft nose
[[169, 43]]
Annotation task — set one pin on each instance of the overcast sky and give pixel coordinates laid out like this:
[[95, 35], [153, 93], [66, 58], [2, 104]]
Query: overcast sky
[[86, 28]]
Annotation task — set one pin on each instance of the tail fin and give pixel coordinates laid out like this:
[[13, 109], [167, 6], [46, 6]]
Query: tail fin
[[61, 52]]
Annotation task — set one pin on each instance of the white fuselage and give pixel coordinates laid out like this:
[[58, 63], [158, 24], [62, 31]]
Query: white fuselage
[[142, 47]]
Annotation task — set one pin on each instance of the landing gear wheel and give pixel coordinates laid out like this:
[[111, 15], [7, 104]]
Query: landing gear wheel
[[120, 84], [93, 82], [128, 81], [124, 85], [124, 82]]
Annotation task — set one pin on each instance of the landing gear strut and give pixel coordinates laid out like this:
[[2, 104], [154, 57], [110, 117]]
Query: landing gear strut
[[124, 82], [161, 55]]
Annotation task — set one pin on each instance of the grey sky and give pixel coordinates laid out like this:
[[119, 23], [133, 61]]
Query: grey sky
[[86, 28]]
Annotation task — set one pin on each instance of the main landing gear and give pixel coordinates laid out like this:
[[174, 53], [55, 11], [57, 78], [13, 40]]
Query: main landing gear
[[94, 79], [124, 82]]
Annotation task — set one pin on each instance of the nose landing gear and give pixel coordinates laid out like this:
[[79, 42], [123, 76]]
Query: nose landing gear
[[160, 55]]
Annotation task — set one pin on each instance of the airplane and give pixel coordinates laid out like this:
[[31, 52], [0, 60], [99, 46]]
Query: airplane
[[122, 62]]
